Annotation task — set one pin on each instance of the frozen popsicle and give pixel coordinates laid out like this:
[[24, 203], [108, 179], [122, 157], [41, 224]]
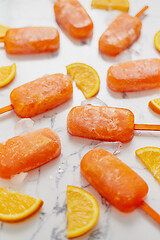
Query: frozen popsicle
[[121, 34], [40, 95], [116, 182], [73, 19], [28, 151], [134, 75], [104, 123], [30, 40]]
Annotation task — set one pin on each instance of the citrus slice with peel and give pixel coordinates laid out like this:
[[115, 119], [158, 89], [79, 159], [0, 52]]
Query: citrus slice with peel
[[82, 211], [150, 156], [86, 78], [122, 5], [16, 207], [7, 74], [157, 40], [3, 30], [155, 105]]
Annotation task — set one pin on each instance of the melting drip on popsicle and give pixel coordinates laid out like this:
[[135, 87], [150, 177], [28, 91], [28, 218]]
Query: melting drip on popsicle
[[31, 40], [116, 182], [40, 95], [121, 34], [104, 123]]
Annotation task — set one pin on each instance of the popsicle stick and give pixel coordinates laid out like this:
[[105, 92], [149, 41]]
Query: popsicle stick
[[142, 11], [153, 214], [147, 127], [6, 109]]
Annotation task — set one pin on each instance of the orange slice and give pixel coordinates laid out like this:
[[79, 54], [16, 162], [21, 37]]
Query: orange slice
[[3, 31], [7, 74], [157, 40], [122, 5], [86, 78], [150, 156], [15, 207], [155, 105], [82, 211]]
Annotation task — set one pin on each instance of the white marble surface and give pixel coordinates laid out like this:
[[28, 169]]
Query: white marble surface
[[49, 182]]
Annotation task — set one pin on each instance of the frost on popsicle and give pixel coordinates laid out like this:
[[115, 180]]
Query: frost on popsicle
[[73, 19], [150, 156], [134, 76], [29, 40], [101, 123], [26, 152], [114, 180], [121, 34]]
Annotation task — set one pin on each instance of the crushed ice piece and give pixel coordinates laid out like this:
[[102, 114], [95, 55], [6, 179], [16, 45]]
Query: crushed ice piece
[[113, 147], [137, 133], [24, 125], [124, 56], [146, 133], [18, 178], [94, 101], [137, 48], [60, 170]]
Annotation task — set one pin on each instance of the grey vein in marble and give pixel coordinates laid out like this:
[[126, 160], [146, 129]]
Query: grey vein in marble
[[101, 233], [58, 234], [61, 170], [57, 209], [124, 95]]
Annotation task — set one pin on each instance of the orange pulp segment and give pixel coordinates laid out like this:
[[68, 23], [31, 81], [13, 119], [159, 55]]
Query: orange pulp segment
[[122, 5], [3, 30], [155, 105], [157, 40], [7, 74], [15, 207], [150, 156], [82, 211], [86, 78]]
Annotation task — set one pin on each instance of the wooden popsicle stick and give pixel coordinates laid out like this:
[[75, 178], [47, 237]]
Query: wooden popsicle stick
[[147, 127], [142, 11], [6, 109], [153, 214]]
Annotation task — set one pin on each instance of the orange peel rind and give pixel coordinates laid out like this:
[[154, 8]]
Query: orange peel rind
[[86, 78], [16, 207], [150, 156], [157, 40], [7, 74], [82, 211]]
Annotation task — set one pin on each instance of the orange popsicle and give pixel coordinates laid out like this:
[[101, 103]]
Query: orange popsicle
[[28, 151], [31, 40], [104, 123], [120, 34], [73, 18], [40, 95], [134, 75], [113, 179], [101, 123], [116, 182]]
